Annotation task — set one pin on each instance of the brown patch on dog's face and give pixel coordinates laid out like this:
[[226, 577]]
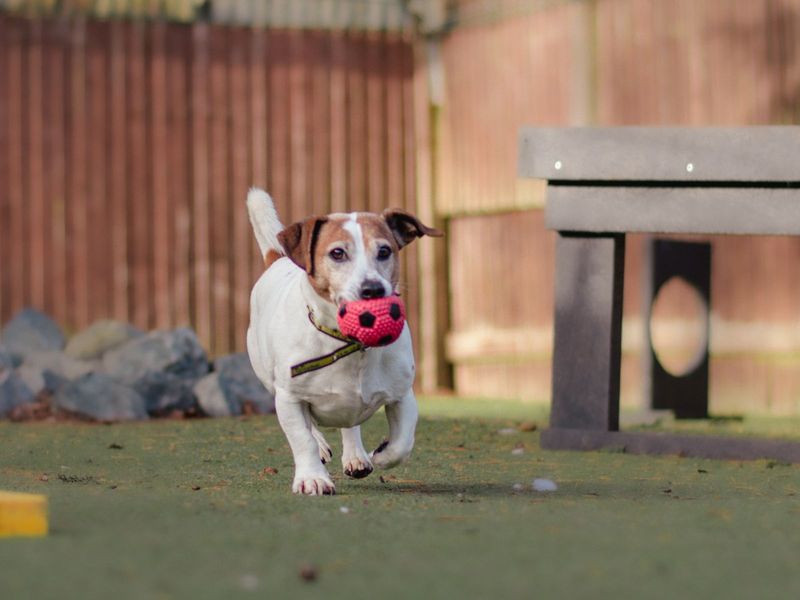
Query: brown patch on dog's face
[[299, 241]]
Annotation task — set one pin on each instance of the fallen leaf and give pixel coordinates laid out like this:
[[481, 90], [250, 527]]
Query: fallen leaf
[[308, 573]]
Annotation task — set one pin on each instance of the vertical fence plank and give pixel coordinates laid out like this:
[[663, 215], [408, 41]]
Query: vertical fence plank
[[298, 120], [179, 186], [319, 124], [55, 182], [77, 229], [338, 121], [220, 213], [118, 185], [17, 284], [240, 178], [375, 117], [395, 89], [356, 118], [100, 266], [34, 192], [5, 154], [416, 195], [279, 123], [139, 201], [159, 199], [200, 179], [259, 103]]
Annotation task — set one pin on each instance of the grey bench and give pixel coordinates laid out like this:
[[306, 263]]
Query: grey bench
[[605, 182]]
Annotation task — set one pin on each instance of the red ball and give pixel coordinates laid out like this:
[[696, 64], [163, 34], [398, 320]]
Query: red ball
[[373, 322]]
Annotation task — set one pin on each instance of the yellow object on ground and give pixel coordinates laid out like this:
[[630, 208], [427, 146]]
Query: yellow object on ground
[[22, 515]]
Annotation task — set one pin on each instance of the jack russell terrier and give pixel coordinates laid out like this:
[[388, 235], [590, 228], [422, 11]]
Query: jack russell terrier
[[312, 268]]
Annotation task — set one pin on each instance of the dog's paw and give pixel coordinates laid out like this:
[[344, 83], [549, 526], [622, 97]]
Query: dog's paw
[[357, 467], [313, 486], [386, 456]]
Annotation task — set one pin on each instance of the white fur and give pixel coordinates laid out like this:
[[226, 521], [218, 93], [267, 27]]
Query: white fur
[[342, 395], [264, 219]]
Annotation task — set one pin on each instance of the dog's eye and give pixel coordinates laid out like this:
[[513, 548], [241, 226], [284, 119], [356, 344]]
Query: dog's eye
[[338, 254], [384, 252]]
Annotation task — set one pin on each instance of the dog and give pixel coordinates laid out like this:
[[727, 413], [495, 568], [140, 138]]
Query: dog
[[313, 267]]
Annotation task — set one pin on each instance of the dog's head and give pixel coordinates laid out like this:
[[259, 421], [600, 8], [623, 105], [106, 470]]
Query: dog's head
[[352, 256]]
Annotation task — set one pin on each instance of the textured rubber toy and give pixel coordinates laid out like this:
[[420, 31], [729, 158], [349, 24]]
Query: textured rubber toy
[[374, 322]]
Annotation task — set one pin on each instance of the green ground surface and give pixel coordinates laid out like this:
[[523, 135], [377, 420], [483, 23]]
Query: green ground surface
[[184, 509]]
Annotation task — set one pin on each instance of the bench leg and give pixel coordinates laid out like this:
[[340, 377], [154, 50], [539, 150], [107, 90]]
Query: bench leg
[[588, 331]]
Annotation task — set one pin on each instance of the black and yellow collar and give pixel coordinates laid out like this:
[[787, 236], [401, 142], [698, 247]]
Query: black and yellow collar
[[324, 361]]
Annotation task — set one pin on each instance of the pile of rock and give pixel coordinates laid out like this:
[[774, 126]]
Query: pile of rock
[[112, 371]]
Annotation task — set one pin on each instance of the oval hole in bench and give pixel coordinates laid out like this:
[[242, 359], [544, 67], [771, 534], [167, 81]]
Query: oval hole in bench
[[679, 327]]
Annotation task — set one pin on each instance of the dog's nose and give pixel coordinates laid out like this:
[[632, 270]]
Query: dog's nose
[[372, 289]]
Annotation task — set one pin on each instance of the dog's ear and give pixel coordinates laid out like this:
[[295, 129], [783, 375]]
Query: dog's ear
[[406, 227], [299, 241]]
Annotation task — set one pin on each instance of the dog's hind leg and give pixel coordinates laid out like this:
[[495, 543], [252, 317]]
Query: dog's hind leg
[[325, 452], [402, 417], [355, 460]]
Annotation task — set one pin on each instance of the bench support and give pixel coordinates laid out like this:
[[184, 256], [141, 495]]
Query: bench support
[[588, 331]]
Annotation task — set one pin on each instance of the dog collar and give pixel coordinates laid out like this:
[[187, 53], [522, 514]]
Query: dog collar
[[328, 359]]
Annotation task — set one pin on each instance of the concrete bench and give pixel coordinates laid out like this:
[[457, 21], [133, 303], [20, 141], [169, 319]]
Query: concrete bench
[[605, 182]]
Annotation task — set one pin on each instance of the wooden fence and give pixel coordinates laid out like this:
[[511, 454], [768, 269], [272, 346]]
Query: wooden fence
[[127, 148]]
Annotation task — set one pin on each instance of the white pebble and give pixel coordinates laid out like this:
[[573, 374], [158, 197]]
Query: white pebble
[[249, 582], [517, 487], [544, 485], [518, 451], [507, 431], [344, 510]]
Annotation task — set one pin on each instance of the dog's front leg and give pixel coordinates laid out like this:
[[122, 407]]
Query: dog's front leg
[[402, 417], [310, 476], [355, 460]]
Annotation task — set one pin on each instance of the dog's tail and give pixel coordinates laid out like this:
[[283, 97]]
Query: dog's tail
[[265, 221]]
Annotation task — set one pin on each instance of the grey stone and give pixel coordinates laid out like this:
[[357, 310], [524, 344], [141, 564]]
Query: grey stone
[[232, 389], [238, 378], [100, 397], [177, 352], [40, 379], [213, 400], [99, 338], [165, 392], [13, 392], [31, 331], [6, 359], [60, 364]]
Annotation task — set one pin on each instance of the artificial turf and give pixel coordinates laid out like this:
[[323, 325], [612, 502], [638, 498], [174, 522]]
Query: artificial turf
[[203, 509]]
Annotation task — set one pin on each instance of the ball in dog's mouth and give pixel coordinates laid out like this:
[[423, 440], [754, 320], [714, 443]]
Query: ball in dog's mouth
[[373, 322]]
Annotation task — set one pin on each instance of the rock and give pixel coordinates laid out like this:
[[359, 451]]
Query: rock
[[31, 331], [544, 485], [99, 338], [40, 380], [100, 397], [212, 398], [13, 392], [164, 393], [233, 389], [60, 364], [6, 359], [177, 352], [240, 381]]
